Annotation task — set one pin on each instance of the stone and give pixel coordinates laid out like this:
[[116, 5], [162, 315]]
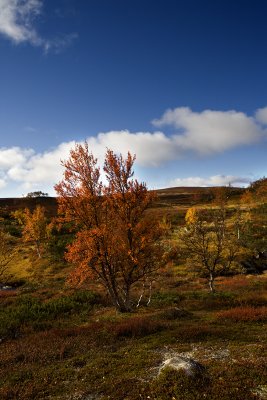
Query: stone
[[188, 365]]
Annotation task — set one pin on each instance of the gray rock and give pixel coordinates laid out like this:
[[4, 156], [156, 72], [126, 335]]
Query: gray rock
[[188, 365]]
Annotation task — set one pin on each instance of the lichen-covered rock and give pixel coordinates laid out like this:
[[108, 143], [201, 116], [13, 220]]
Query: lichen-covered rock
[[188, 365]]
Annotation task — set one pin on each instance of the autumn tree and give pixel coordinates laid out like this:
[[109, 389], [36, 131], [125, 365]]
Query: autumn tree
[[208, 245], [116, 243], [191, 216], [34, 226], [254, 200], [247, 199], [221, 195], [6, 255]]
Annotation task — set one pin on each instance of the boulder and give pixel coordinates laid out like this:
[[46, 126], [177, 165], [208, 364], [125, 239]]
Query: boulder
[[188, 365]]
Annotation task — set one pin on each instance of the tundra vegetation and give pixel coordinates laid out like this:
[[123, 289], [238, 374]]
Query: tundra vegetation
[[121, 288]]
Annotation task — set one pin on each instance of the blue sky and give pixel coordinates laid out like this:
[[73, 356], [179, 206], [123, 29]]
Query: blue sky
[[180, 83]]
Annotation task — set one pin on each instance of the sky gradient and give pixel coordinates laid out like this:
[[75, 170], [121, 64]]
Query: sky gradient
[[180, 83]]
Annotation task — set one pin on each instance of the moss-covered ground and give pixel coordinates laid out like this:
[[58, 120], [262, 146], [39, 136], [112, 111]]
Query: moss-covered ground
[[58, 343]]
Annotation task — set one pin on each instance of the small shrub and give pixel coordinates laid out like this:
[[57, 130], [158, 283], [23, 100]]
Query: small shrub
[[174, 313], [198, 332], [244, 314], [29, 310], [252, 299], [200, 300], [137, 327], [166, 298]]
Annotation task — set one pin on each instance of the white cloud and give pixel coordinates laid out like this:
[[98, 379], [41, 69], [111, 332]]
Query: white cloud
[[57, 45], [17, 24], [261, 115], [16, 20], [216, 180], [13, 156], [204, 133], [2, 183], [210, 131], [152, 149], [39, 169]]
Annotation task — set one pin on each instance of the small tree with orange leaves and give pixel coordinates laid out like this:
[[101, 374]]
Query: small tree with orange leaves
[[115, 242], [34, 227]]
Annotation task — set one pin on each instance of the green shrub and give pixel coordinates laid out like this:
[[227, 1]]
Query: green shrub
[[166, 298], [29, 310]]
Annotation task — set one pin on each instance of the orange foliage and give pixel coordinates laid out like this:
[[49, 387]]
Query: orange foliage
[[115, 242], [191, 216], [247, 198], [221, 195], [35, 225]]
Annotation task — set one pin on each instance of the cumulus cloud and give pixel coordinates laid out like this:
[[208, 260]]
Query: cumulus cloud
[[13, 156], [261, 115], [210, 131], [33, 170], [152, 149], [2, 183], [205, 133], [17, 24], [39, 169], [216, 180]]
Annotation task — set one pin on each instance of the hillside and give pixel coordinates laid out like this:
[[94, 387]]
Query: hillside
[[62, 342], [184, 196]]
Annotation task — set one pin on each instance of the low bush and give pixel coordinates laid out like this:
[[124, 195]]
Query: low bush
[[204, 300], [174, 313], [192, 332], [166, 298], [245, 314], [252, 299], [137, 327], [29, 310]]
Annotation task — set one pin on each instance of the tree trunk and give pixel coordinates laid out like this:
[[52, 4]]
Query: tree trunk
[[122, 305], [211, 283], [141, 296], [150, 293], [38, 249], [127, 305]]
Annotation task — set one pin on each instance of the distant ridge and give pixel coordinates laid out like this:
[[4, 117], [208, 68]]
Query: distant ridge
[[13, 203], [181, 195]]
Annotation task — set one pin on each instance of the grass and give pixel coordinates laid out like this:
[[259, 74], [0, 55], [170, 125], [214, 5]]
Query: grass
[[74, 344], [64, 344], [245, 314], [28, 310]]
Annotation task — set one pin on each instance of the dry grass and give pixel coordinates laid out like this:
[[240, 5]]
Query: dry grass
[[244, 314], [64, 345]]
